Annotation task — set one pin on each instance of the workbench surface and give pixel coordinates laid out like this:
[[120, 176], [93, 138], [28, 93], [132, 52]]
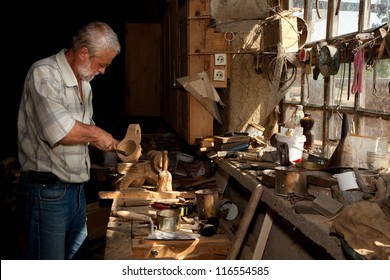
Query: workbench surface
[[125, 239], [315, 227]]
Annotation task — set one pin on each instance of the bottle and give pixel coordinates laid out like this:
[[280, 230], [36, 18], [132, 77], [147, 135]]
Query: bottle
[[307, 122], [296, 116]]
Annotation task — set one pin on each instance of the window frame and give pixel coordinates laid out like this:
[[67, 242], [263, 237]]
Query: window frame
[[327, 111]]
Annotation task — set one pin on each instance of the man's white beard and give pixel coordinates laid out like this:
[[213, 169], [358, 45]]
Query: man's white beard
[[85, 73]]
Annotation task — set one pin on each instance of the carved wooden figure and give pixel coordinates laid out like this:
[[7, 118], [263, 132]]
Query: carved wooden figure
[[164, 183]]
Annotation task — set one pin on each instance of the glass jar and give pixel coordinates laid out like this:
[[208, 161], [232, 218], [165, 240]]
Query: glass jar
[[378, 160]]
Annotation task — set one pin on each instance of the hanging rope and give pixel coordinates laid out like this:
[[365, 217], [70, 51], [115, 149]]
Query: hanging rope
[[286, 77]]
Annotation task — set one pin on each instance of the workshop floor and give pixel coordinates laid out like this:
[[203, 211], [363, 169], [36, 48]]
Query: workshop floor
[[96, 249]]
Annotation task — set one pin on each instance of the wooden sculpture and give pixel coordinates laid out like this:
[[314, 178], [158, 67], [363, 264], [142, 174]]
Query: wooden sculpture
[[135, 172], [164, 183]]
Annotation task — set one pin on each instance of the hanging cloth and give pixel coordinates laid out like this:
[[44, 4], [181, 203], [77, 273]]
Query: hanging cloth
[[358, 66]]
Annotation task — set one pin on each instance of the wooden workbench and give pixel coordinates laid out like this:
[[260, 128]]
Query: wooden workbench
[[315, 227], [126, 239]]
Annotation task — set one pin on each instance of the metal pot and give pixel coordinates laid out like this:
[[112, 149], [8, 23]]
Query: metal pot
[[207, 203], [329, 60], [168, 220], [290, 180]]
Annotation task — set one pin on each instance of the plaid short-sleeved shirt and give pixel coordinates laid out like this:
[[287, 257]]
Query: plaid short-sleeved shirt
[[50, 105]]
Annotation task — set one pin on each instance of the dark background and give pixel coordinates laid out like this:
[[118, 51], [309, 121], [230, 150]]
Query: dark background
[[32, 32]]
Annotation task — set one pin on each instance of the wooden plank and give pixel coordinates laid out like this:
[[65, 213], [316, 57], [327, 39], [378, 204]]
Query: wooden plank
[[245, 222], [200, 121], [321, 178], [215, 41], [143, 62], [133, 212], [232, 139], [315, 227], [198, 8], [118, 240], [196, 64], [196, 35], [264, 233], [221, 179], [204, 248], [137, 194]]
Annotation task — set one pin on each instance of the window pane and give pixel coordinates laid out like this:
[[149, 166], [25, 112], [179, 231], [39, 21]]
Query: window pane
[[379, 13], [374, 127], [313, 90], [290, 109], [314, 95], [339, 95], [294, 93], [348, 18], [335, 124], [376, 96], [298, 4], [317, 26]]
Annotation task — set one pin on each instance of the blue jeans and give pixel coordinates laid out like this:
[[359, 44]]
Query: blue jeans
[[52, 220]]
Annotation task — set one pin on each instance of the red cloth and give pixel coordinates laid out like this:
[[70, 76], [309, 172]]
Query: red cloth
[[358, 66]]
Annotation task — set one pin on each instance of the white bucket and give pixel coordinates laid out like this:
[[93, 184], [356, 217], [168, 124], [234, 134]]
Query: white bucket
[[346, 180], [295, 145]]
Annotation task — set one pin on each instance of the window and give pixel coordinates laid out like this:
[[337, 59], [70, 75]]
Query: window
[[361, 90]]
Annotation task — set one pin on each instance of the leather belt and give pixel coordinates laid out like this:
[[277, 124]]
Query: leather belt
[[36, 177]]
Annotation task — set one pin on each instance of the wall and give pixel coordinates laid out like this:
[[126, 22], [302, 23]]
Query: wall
[[249, 93], [247, 99], [40, 33]]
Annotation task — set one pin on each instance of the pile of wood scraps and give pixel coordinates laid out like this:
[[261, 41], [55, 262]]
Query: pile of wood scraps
[[133, 231], [230, 141]]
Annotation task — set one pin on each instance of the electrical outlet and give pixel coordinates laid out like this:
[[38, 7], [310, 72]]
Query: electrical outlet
[[220, 59], [219, 75]]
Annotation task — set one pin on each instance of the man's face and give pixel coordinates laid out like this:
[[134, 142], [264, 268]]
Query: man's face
[[95, 65], [86, 72]]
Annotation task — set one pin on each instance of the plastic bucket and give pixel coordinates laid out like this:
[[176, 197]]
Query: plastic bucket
[[295, 145]]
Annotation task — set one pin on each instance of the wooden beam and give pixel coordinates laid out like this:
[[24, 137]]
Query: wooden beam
[[264, 233], [140, 193], [245, 222]]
